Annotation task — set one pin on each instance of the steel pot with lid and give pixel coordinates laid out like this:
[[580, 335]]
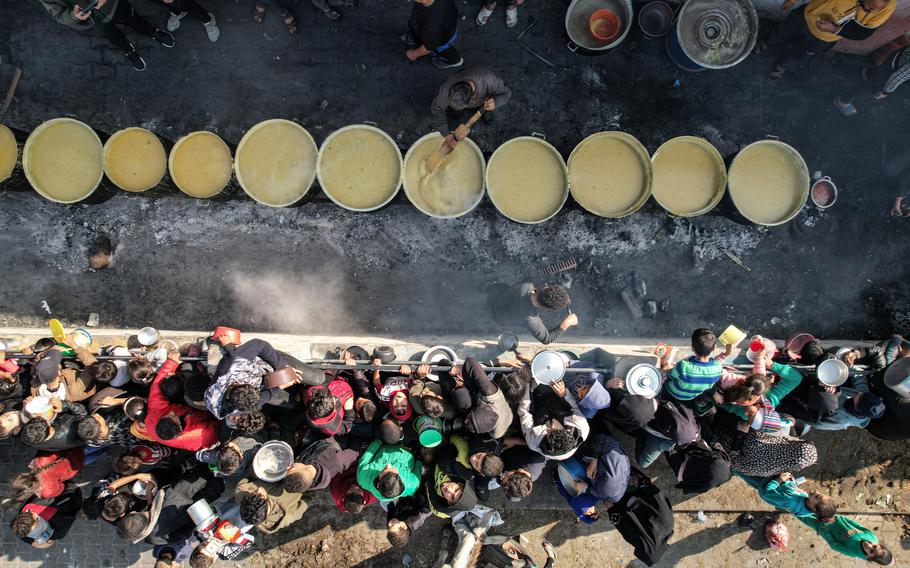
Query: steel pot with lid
[[644, 380], [709, 34], [548, 366]]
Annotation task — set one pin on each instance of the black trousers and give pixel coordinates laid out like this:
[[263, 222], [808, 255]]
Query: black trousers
[[795, 40], [125, 15], [190, 7]]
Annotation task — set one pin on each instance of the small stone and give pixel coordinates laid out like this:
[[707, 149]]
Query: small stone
[[776, 320], [92, 319]]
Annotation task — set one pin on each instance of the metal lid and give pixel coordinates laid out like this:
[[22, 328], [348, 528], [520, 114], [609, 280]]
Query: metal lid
[[548, 366], [644, 380], [832, 372], [717, 35], [437, 353]]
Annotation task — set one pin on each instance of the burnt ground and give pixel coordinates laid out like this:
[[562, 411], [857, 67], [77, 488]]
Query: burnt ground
[[315, 267]]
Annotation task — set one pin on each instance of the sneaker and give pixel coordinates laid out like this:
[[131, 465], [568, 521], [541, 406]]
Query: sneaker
[[441, 63], [408, 39], [164, 38], [136, 60], [173, 21], [211, 29], [483, 16], [511, 17]]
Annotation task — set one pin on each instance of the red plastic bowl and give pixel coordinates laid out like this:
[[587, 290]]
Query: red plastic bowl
[[604, 24]]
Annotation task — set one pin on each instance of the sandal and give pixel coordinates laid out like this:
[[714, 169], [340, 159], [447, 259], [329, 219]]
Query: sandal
[[777, 73], [548, 548], [290, 21], [846, 109], [259, 11]]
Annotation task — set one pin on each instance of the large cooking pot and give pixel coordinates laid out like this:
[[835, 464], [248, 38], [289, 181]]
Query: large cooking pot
[[9, 152], [454, 188], [276, 162], [768, 182], [200, 164], [708, 34], [689, 176], [527, 180], [610, 174], [134, 159], [62, 160], [578, 17], [360, 167]]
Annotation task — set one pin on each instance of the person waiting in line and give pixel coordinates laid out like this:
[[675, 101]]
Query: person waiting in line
[[894, 423], [463, 94], [47, 475], [521, 304], [486, 12], [348, 495], [174, 424], [269, 506], [404, 517], [42, 522], [105, 16], [52, 380], [179, 10], [433, 31], [554, 426], [60, 434], [388, 472], [330, 409], [521, 467], [317, 464], [607, 468], [783, 492], [478, 399], [691, 380], [815, 27], [878, 82]]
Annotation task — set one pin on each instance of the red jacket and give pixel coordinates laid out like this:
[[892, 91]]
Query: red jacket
[[340, 421], [53, 479], [344, 481], [200, 429]]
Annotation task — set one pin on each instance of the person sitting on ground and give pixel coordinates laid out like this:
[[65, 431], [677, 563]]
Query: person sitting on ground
[[177, 425], [783, 492], [694, 376], [463, 94], [521, 304], [433, 31], [47, 475], [317, 464], [555, 426], [606, 467], [486, 12], [180, 8], [348, 495], [478, 399], [815, 27], [404, 517], [42, 522], [388, 472], [848, 537], [427, 398], [105, 16], [61, 434], [269, 506], [330, 409]]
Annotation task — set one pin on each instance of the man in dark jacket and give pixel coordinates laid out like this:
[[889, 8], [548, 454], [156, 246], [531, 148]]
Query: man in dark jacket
[[61, 434], [41, 522], [433, 31], [317, 464], [105, 16], [478, 399], [521, 304], [463, 94]]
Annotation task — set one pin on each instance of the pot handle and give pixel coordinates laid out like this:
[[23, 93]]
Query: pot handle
[[772, 137], [538, 135], [371, 123], [573, 47], [825, 178]]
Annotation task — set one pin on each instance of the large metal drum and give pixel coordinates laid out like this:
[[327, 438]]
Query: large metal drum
[[712, 34], [610, 174], [134, 159], [526, 180], [768, 182], [689, 176], [454, 188], [578, 17], [276, 162], [200, 164], [62, 160], [360, 167]]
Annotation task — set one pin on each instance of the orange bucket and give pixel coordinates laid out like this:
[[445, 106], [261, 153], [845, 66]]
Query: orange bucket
[[604, 24]]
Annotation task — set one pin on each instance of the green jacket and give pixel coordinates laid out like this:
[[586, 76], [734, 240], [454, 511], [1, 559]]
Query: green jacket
[[786, 496], [62, 12], [844, 535], [789, 380], [379, 455]]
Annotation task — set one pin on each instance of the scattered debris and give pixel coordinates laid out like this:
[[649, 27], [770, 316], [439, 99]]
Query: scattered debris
[[735, 259], [45, 307], [101, 253], [93, 319], [745, 520], [634, 308], [651, 308], [664, 305], [638, 286], [558, 267]]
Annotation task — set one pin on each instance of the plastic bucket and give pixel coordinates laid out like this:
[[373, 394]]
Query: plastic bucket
[[200, 164], [134, 159], [604, 24], [448, 192], [429, 431], [360, 167], [689, 176], [224, 330], [610, 174], [527, 180], [275, 162], [9, 152], [62, 160], [768, 182]]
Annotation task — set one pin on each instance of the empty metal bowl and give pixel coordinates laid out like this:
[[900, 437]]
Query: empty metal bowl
[[272, 461], [832, 372], [148, 336]]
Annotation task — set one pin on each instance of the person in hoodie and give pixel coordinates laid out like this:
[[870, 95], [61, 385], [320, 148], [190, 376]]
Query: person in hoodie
[[60, 434], [606, 468], [317, 464], [270, 507], [330, 409], [554, 426], [450, 489], [589, 390], [348, 495], [177, 425], [478, 399]]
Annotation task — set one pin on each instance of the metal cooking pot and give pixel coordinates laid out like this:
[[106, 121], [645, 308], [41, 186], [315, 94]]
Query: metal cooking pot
[[280, 377], [799, 164], [709, 34], [602, 206], [29, 153], [578, 16], [499, 196], [243, 164], [384, 353], [897, 377], [832, 372], [655, 19], [413, 193], [718, 167]]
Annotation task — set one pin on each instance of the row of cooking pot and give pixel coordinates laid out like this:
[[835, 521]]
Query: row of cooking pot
[[360, 167]]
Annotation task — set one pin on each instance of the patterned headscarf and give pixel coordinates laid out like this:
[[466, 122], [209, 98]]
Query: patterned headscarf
[[242, 371]]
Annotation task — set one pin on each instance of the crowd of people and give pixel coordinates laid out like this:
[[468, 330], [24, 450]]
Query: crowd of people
[[171, 424]]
